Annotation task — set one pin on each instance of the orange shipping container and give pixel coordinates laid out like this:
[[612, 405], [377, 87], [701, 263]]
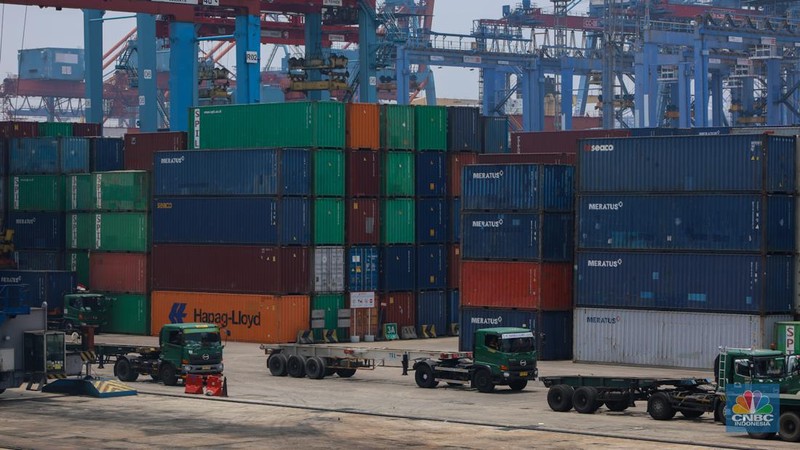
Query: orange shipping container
[[363, 129], [267, 319], [524, 285]]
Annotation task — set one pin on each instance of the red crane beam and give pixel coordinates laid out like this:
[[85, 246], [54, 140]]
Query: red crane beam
[[181, 12]]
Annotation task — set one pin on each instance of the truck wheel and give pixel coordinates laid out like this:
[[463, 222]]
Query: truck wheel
[[517, 385], [330, 371], [789, 426], [296, 366], [691, 414], [345, 373], [760, 435], [660, 407], [719, 412], [2, 390], [155, 377], [315, 368], [425, 377], [68, 327], [617, 405], [482, 380], [559, 397], [124, 371], [168, 374], [276, 363], [585, 400]]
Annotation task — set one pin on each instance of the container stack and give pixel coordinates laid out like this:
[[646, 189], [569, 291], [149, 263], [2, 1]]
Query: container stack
[[685, 244], [517, 248]]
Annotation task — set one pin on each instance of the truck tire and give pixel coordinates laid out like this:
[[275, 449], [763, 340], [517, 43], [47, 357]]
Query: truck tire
[[425, 377], [691, 413], [296, 366], [760, 435], [584, 400], [517, 385], [789, 426], [482, 381], [617, 405], [2, 390], [315, 368], [330, 371], [660, 407], [719, 412], [124, 371], [168, 374], [559, 397], [276, 363], [345, 373]]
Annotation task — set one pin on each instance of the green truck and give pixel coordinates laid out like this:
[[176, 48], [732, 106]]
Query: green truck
[[81, 309]]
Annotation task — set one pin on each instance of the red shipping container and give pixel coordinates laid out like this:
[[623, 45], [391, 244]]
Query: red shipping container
[[363, 221], [119, 272], [399, 308], [87, 129], [453, 266], [16, 129], [528, 158], [231, 268], [456, 163], [578, 122], [557, 141], [363, 173], [524, 285], [140, 147]]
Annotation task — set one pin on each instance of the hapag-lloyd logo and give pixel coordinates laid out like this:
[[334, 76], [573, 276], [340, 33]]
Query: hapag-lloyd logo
[[487, 175], [605, 206], [173, 160], [604, 263], [487, 223], [599, 147]]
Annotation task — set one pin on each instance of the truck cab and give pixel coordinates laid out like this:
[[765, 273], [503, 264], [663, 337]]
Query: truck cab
[[85, 309], [508, 353], [194, 348], [750, 366]]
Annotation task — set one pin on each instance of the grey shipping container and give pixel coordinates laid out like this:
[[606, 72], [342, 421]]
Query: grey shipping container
[[329, 269]]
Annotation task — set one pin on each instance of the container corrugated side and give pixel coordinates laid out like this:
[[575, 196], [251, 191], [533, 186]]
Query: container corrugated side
[[329, 269], [552, 329], [464, 129], [398, 268], [399, 308], [666, 338], [397, 127], [43, 286], [495, 134], [74, 155], [140, 147], [528, 158], [363, 126], [454, 266], [398, 174], [363, 173], [129, 314], [455, 219], [517, 236], [453, 307], [107, 154], [786, 337], [55, 129], [119, 272], [431, 267], [329, 167], [527, 285], [33, 155], [18, 129], [431, 174], [295, 172], [78, 262], [456, 163], [363, 268], [735, 222], [39, 260], [325, 316], [432, 220], [397, 221], [363, 221], [37, 193], [294, 225], [557, 141], [121, 190], [87, 129], [430, 128], [736, 283], [79, 192], [218, 172], [37, 230], [110, 232], [501, 187], [250, 318], [329, 221]]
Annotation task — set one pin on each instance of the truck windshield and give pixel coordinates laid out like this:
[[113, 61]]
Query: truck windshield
[[93, 303], [769, 367], [516, 345], [202, 338]]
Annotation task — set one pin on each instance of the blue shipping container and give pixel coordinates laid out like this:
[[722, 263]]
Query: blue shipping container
[[431, 168], [398, 268], [432, 311], [495, 134], [363, 269], [517, 236], [517, 187], [552, 329], [432, 221], [65, 64], [43, 286], [295, 171], [688, 163], [687, 222], [37, 230], [464, 129], [455, 220], [453, 305], [685, 282], [39, 260], [699, 131], [431, 267], [107, 154], [294, 221], [49, 155], [3, 157]]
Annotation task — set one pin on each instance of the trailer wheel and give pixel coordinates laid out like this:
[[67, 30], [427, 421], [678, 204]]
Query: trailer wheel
[[691, 413], [482, 380], [315, 368], [559, 397], [617, 405], [760, 435], [345, 373], [330, 371], [124, 371], [168, 374], [276, 363], [517, 385], [789, 426], [660, 407], [2, 390], [425, 377], [585, 400], [296, 366], [719, 412]]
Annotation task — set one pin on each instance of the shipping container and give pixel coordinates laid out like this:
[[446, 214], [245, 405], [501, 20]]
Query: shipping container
[[80, 193], [430, 127], [724, 222], [55, 129], [455, 219], [17, 129], [78, 262], [37, 230], [736, 283], [363, 268], [773, 130], [456, 164], [40, 260], [363, 173], [108, 232], [698, 131], [453, 306], [37, 193], [119, 272], [398, 268], [295, 172], [363, 126], [106, 154], [230, 268], [325, 317], [43, 286], [557, 141], [431, 174], [528, 285], [63, 64], [528, 158], [666, 338], [87, 130], [736, 163], [495, 134], [329, 269], [363, 221], [787, 337], [431, 267], [312, 124], [552, 329], [329, 221], [129, 314], [432, 220], [397, 221], [464, 129], [399, 308], [263, 319], [48, 155], [364, 321], [397, 127], [127, 190], [398, 174], [518, 187], [453, 266], [141, 147], [329, 176], [517, 236]]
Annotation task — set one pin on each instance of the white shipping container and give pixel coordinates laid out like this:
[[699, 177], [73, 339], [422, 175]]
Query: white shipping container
[[328, 269], [666, 338]]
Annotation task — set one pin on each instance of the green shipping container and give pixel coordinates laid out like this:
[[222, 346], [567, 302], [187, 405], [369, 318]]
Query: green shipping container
[[55, 129], [127, 190], [78, 262], [397, 221], [325, 316], [329, 173], [37, 193], [397, 127], [398, 176], [79, 192], [430, 128], [130, 314], [295, 124], [787, 337], [329, 221], [109, 232]]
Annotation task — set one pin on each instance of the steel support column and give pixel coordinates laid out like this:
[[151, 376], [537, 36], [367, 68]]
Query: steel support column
[[146, 61], [402, 75], [313, 40], [774, 83], [248, 58], [533, 99], [93, 48], [183, 74], [684, 95], [430, 89], [490, 93], [748, 92], [367, 45], [567, 72], [700, 84]]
